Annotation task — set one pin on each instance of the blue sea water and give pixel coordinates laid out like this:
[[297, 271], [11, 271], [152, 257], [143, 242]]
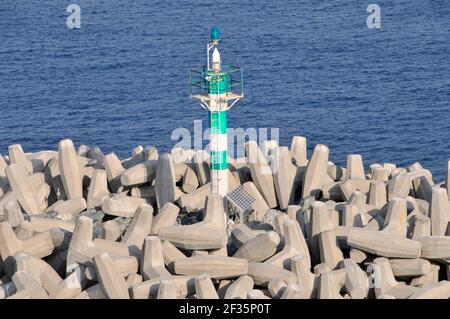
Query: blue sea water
[[312, 68]]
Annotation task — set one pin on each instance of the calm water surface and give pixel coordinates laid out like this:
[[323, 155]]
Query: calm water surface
[[312, 68]]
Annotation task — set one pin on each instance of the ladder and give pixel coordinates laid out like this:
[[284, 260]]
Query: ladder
[[215, 122]]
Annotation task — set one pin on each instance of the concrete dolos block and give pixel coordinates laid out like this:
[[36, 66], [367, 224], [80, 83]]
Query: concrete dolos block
[[49, 279], [142, 173], [185, 285], [320, 222], [384, 244], [260, 205], [293, 291], [299, 150], [294, 244], [201, 161], [111, 230], [440, 290], [348, 187], [242, 233], [240, 288], [439, 211], [40, 245], [259, 248], [435, 247], [284, 177], [139, 228], [429, 279], [196, 199], [421, 226], [53, 174], [67, 208], [330, 284], [395, 222], [263, 273], [123, 206], [204, 287], [385, 283], [17, 156], [356, 282], [24, 192], [13, 214], [114, 170], [257, 294], [98, 189], [391, 241], [189, 179], [409, 267], [165, 218], [167, 290], [377, 194], [316, 171], [207, 234], [83, 248], [110, 278], [69, 169], [218, 267], [355, 167], [153, 263], [261, 173], [330, 251], [399, 186], [165, 180], [27, 287], [82, 225], [307, 280]]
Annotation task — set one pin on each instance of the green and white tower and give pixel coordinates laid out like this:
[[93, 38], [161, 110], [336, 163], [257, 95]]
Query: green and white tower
[[217, 87]]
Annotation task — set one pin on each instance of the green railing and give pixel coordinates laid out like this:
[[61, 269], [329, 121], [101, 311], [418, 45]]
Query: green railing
[[199, 85]]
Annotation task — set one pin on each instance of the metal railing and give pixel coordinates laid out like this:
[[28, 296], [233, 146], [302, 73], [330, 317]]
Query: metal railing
[[199, 85]]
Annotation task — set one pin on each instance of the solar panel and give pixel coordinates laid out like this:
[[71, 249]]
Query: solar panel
[[240, 201]]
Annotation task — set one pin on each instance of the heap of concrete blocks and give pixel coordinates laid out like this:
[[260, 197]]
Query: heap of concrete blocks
[[76, 223]]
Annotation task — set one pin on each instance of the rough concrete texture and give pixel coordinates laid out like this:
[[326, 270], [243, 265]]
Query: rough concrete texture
[[316, 171], [261, 173], [80, 224]]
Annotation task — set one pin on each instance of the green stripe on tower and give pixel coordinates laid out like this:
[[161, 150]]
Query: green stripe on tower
[[218, 167], [218, 160], [218, 83], [218, 122]]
